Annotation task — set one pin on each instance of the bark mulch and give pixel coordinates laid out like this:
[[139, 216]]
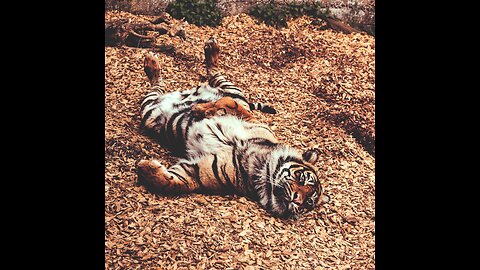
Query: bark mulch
[[322, 84]]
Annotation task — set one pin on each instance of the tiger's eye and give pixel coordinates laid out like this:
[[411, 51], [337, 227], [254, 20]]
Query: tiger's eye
[[301, 179], [310, 201]]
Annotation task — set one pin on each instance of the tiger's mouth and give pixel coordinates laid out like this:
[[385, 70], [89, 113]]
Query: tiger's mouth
[[296, 209]]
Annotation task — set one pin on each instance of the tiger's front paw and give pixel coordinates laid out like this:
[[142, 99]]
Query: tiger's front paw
[[212, 51], [152, 173]]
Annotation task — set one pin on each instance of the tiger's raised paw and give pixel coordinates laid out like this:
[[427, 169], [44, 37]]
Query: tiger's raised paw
[[151, 66]]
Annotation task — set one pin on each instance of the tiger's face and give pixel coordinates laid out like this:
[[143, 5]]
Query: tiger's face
[[301, 191]]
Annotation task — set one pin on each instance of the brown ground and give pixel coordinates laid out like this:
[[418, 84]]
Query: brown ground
[[322, 85]]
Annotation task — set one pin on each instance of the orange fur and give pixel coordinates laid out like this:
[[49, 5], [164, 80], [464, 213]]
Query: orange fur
[[223, 106], [151, 67]]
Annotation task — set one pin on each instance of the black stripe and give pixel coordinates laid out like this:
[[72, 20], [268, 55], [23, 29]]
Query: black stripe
[[177, 105], [243, 174], [227, 85], [155, 101], [294, 159], [281, 162], [196, 91], [215, 171], [227, 179], [251, 106], [258, 126], [181, 178], [220, 140], [151, 94], [170, 136], [284, 160], [262, 141], [232, 95], [245, 177], [187, 169], [198, 101], [234, 161], [190, 121], [233, 87], [179, 130], [145, 117], [269, 188], [286, 170], [196, 176], [212, 79], [296, 166]]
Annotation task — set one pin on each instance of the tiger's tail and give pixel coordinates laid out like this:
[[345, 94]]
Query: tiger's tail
[[262, 107]]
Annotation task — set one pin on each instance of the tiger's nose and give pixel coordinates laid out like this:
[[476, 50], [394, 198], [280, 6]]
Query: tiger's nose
[[298, 198]]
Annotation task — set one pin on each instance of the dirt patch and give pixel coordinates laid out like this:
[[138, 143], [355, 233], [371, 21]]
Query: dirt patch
[[304, 76], [288, 54], [352, 113]]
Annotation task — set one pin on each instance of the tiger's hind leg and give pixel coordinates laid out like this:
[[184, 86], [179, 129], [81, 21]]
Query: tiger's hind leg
[[151, 66], [179, 178]]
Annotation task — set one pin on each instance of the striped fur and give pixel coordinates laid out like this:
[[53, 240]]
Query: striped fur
[[224, 154]]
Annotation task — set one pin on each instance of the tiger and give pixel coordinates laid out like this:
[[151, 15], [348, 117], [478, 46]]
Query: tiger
[[224, 153]]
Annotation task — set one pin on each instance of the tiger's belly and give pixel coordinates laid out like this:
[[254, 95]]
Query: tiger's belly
[[222, 134], [222, 146]]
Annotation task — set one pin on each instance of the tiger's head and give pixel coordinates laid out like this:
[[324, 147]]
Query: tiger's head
[[297, 187]]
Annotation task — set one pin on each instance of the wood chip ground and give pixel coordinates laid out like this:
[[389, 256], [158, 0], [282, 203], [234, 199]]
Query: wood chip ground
[[321, 82]]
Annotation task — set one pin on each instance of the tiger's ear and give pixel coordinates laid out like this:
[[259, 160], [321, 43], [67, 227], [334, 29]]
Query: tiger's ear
[[311, 155], [324, 198]]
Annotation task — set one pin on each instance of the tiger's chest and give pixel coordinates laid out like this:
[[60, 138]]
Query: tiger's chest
[[202, 93]]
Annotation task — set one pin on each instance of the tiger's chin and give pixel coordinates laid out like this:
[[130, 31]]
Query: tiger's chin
[[286, 211], [283, 209]]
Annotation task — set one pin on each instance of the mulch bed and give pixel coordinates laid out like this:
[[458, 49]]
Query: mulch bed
[[322, 84]]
